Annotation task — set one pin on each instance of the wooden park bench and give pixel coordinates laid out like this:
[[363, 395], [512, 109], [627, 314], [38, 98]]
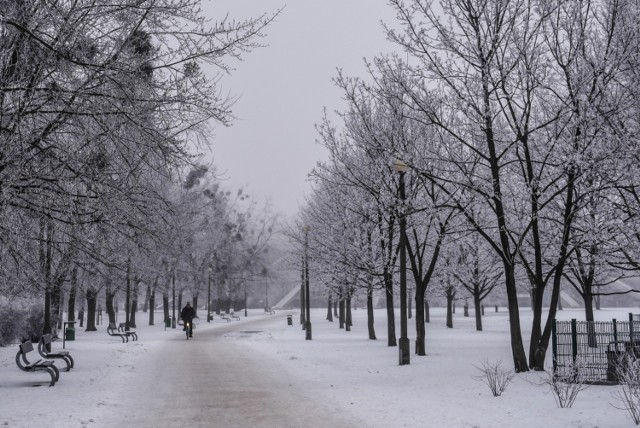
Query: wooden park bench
[[233, 315], [225, 316], [40, 365], [269, 311], [131, 333], [45, 344], [112, 330]]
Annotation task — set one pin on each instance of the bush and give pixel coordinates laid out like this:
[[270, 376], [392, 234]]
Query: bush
[[19, 321], [566, 383], [629, 393], [33, 323], [8, 323], [495, 376]]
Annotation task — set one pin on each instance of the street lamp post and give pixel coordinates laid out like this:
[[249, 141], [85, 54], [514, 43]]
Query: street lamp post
[[173, 301], [209, 294], [266, 294], [306, 283], [302, 300], [404, 354], [245, 298]]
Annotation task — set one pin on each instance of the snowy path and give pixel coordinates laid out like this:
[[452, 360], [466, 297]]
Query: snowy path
[[212, 381]]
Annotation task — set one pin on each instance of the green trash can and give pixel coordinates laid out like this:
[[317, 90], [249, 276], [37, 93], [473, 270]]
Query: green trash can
[[167, 322], [70, 333], [289, 319]]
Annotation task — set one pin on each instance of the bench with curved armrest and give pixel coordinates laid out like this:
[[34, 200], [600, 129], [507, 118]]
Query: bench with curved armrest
[[131, 333], [40, 365], [43, 348], [112, 330]]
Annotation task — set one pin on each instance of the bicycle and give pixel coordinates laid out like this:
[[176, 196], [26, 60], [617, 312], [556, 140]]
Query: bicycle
[[189, 329]]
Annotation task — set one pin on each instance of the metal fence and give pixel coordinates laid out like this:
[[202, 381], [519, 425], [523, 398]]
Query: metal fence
[[597, 346]]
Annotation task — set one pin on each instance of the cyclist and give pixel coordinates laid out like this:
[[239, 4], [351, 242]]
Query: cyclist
[[187, 315]]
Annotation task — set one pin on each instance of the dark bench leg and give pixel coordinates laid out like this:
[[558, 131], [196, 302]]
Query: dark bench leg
[[52, 372], [56, 372], [68, 361]]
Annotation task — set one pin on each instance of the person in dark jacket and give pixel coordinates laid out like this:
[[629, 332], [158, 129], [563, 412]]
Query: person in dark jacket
[[187, 315]]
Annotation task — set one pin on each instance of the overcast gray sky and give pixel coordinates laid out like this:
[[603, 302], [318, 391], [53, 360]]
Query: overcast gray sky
[[284, 87]]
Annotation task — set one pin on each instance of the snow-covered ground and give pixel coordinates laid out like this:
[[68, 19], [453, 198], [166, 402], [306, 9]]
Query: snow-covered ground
[[358, 375]]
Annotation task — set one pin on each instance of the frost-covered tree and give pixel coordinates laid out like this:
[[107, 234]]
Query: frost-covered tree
[[524, 95]]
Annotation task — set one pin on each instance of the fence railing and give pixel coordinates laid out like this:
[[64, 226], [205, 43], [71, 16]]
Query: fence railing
[[595, 345]]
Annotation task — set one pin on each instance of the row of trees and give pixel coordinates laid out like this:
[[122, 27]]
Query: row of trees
[[513, 129], [103, 107]]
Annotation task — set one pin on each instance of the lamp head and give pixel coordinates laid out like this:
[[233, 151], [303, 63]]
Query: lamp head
[[400, 166]]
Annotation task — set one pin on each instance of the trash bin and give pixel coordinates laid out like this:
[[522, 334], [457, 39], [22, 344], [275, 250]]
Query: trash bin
[[289, 319], [209, 317], [167, 322], [70, 333]]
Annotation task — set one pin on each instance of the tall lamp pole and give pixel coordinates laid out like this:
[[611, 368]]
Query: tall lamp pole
[[173, 301], [209, 294], [404, 354], [306, 283], [245, 298], [302, 299], [265, 273]]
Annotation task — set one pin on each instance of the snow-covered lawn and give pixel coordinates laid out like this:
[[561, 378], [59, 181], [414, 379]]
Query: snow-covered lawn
[[361, 376]]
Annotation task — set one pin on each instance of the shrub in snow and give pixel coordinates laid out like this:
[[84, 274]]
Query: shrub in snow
[[566, 383], [8, 317], [495, 376], [33, 322], [629, 393], [20, 321]]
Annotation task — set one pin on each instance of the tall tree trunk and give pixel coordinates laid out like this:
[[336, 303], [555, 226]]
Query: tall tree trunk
[[47, 312], [347, 320], [81, 314], [92, 297], [152, 302], [450, 297], [478, 310], [329, 312], [515, 331], [127, 297], [165, 306], [517, 345], [391, 323], [147, 296], [427, 314], [560, 302], [541, 342], [421, 347], [588, 309], [57, 303], [73, 289], [134, 301], [341, 311], [370, 325], [109, 300], [45, 232]]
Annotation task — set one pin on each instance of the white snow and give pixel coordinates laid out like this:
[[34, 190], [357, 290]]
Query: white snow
[[355, 374]]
